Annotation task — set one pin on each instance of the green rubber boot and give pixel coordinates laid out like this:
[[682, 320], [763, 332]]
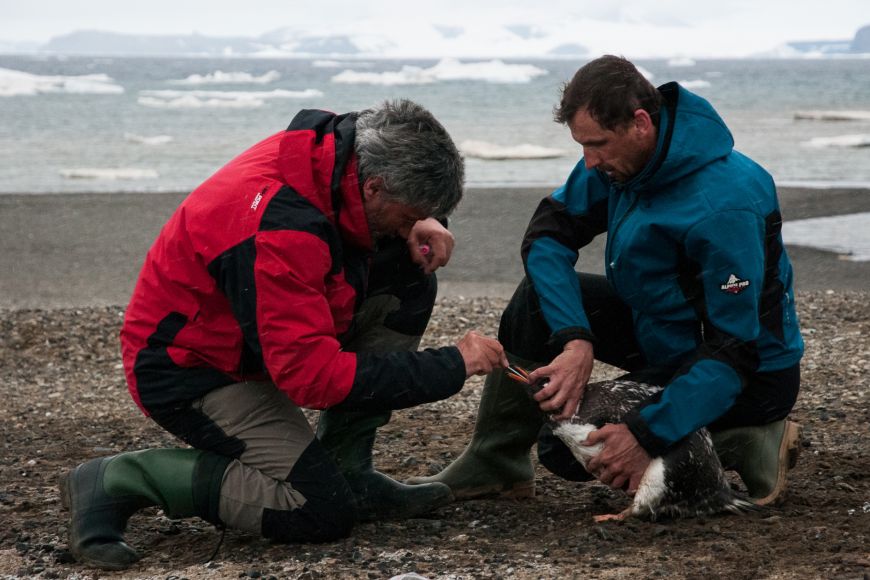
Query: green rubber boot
[[103, 493], [761, 456], [349, 437], [497, 461]]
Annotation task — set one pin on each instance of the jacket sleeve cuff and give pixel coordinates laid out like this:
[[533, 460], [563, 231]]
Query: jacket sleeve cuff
[[654, 445], [404, 379], [559, 339]]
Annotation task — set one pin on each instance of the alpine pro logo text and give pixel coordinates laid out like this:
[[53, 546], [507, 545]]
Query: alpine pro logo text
[[734, 285]]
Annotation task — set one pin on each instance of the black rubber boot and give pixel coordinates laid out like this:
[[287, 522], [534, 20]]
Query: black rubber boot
[[349, 438], [497, 460], [103, 493]]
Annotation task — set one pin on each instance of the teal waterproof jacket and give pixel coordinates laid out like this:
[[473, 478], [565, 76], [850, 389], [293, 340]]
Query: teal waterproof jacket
[[694, 249]]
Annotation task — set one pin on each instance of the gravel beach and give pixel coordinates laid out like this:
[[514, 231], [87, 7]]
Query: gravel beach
[[67, 269]]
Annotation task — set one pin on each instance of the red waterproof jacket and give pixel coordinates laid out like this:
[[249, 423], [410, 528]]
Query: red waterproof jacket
[[257, 274]]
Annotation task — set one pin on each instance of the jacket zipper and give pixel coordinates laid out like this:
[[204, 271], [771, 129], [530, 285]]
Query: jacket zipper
[[611, 236]]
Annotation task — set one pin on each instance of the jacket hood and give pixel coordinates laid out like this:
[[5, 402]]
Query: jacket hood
[[317, 158], [691, 135]]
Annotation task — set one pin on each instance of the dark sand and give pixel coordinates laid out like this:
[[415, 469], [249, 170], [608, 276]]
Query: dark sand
[[86, 249]]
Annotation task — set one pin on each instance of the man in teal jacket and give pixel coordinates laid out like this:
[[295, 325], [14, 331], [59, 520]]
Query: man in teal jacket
[[697, 297]]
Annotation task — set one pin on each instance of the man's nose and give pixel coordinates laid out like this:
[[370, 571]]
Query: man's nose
[[592, 160]]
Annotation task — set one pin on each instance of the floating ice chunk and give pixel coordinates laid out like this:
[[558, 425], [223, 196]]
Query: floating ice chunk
[[681, 61], [98, 173], [193, 102], [152, 140], [200, 99], [485, 150], [448, 69], [15, 83], [493, 71], [407, 75], [219, 77], [231, 95], [860, 140], [833, 115]]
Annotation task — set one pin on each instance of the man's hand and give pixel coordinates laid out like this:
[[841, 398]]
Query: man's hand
[[622, 460], [568, 374], [481, 354], [439, 241]]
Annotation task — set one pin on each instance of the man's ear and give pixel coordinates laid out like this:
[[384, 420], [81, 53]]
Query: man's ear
[[372, 187], [643, 122]]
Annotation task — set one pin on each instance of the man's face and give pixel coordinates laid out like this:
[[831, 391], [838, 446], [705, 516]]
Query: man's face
[[387, 217], [620, 153]]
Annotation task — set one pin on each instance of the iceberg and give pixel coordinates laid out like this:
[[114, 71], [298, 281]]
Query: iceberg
[[98, 173], [490, 151], [152, 140], [200, 99], [833, 115], [447, 69], [859, 140], [14, 83], [219, 77]]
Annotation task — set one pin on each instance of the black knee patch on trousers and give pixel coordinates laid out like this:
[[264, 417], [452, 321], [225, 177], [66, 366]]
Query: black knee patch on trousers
[[198, 430], [767, 397], [416, 301], [392, 272], [329, 512], [523, 331]]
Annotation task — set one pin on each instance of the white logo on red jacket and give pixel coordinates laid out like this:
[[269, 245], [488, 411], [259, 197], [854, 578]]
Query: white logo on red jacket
[[734, 285], [257, 200]]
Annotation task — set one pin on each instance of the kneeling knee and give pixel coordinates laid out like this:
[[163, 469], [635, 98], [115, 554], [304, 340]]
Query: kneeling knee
[[329, 510], [321, 519]]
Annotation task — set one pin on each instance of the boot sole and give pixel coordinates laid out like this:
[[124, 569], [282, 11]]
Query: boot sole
[[522, 490], [789, 449]]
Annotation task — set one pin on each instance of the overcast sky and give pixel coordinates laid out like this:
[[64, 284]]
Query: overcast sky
[[726, 28]]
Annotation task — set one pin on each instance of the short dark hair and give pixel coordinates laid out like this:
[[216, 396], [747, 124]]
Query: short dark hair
[[611, 89], [403, 144]]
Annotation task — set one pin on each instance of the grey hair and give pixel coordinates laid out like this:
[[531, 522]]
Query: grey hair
[[403, 144]]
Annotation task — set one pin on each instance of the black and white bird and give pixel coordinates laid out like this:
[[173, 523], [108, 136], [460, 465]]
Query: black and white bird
[[687, 481]]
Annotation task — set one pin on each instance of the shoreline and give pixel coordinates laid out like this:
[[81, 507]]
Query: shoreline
[[85, 249]]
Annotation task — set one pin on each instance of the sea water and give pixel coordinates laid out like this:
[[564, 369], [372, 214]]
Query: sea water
[[88, 124]]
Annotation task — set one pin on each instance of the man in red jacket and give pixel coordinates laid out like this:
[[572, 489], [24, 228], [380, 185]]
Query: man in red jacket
[[299, 275]]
